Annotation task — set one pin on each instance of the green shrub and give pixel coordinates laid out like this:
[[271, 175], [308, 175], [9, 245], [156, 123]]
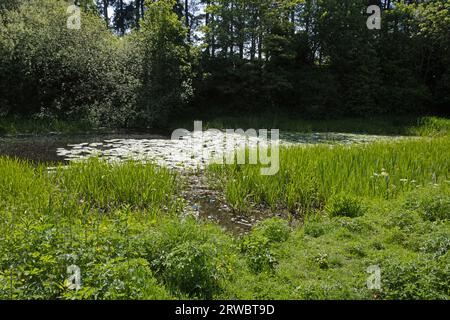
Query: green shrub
[[274, 229], [191, 268], [432, 203], [403, 278], [51, 71], [259, 244], [436, 244], [119, 279], [314, 229], [405, 220], [341, 205], [257, 251], [436, 208]]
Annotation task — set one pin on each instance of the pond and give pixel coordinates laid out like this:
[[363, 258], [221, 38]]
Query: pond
[[179, 155], [158, 148]]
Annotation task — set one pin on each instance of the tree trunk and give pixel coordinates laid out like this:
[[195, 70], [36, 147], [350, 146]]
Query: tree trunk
[[105, 11], [186, 17]]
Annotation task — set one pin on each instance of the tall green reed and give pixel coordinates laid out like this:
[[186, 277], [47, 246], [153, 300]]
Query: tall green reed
[[308, 176]]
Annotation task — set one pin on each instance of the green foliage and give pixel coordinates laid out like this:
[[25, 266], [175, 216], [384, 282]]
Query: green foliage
[[166, 83], [120, 279], [432, 126], [101, 184], [315, 229], [191, 269], [15, 126], [423, 126], [131, 249], [300, 57], [275, 230], [420, 280], [309, 176], [342, 205], [258, 246], [319, 59], [258, 252], [432, 205]]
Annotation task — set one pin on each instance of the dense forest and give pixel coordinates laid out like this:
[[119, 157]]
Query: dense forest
[[136, 64]]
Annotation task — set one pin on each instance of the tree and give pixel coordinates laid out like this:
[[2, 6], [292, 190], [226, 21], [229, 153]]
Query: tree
[[51, 71], [165, 65]]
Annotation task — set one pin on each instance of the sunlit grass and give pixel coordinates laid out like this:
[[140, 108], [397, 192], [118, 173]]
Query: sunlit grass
[[431, 126], [131, 241], [308, 176], [111, 185], [94, 182]]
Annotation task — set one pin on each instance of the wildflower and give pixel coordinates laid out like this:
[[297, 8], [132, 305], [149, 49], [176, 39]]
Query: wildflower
[[404, 180]]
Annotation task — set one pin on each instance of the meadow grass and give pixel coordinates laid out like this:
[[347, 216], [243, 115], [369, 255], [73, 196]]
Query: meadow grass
[[431, 126], [141, 247], [328, 257], [87, 213], [131, 183], [308, 176]]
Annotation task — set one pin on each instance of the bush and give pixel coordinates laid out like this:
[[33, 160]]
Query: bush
[[432, 203], [51, 71], [165, 66], [258, 246], [190, 268], [341, 205], [415, 279], [258, 253], [315, 229], [274, 229], [120, 279]]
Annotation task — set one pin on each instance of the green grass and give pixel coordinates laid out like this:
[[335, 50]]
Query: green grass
[[328, 257], [308, 176], [123, 226], [431, 126]]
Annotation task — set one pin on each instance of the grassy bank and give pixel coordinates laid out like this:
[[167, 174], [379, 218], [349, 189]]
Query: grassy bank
[[12, 127], [420, 126], [308, 177], [122, 226]]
